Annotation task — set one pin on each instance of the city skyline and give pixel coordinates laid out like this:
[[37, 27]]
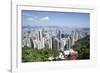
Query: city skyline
[[60, 19], [55, 36]]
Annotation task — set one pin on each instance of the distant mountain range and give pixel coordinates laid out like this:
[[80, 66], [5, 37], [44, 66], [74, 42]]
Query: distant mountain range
[[64, 29], [28, 26]]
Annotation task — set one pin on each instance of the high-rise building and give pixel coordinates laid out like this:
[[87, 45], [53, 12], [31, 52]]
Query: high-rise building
[[75, 36], [55, 43], [69, 42], [48, 42], [59, 34], [39, 34], [29, 43], [24, 42]]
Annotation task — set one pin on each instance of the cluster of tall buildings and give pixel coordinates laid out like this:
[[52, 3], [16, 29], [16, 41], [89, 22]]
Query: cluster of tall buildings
[[42, 39]]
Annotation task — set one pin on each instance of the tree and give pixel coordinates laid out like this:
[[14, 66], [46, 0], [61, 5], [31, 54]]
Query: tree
[[36, 55], [83, 47]]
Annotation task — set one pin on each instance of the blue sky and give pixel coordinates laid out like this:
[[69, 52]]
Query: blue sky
[[65, 19]]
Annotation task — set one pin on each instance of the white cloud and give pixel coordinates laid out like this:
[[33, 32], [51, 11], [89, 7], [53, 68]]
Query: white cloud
[[30, 19], [45, 18]]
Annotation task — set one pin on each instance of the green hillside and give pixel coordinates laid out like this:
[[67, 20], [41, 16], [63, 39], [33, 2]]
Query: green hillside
[[37, 55], [83, 47]]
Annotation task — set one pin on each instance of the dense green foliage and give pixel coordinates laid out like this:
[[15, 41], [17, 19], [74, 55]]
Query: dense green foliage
[[83, 47], [36, 55]]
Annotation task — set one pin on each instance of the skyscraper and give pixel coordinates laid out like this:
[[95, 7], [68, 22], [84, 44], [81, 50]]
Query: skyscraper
[[55, 43], [75, 35], [39, 34]]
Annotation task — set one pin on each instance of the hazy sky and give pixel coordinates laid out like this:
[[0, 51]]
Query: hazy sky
[[45, 18]]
